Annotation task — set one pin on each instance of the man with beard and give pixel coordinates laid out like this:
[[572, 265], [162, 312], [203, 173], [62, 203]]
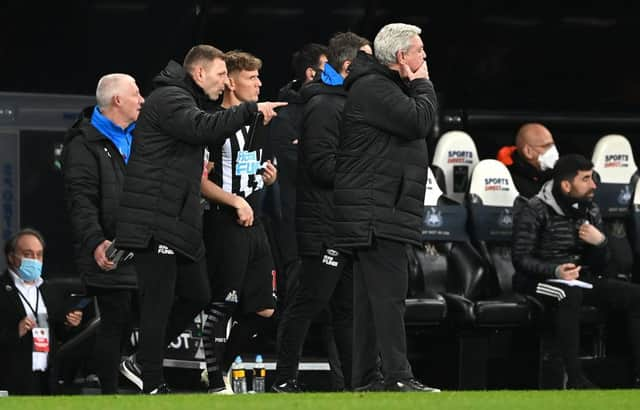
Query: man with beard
[[558, 235], [285, 132]]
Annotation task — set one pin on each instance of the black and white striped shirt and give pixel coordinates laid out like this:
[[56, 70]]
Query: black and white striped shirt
[[237, 164]]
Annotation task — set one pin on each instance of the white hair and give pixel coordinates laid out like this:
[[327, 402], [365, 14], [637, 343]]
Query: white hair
[[393, 38], [109, 86]]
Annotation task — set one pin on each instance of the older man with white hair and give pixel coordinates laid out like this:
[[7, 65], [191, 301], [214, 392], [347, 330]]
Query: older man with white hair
[[381, 171], [96, 150]]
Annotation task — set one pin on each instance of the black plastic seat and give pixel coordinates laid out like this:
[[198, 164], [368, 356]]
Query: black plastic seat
[[491, 199], [78, 346]]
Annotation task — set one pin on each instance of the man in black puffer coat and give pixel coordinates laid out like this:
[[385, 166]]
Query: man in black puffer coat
[[326, 274], [159, 215], [381, 172], [95, 152], [557, 238], [285, 133]]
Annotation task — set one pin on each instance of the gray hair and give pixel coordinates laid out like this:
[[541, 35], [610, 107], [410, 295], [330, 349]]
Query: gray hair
[[393, 38], [109, 86]]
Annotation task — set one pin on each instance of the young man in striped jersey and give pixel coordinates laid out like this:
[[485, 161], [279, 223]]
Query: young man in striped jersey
[[238, 255]]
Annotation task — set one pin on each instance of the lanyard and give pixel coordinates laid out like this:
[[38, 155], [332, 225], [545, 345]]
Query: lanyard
[[248, 137], [35, 311]]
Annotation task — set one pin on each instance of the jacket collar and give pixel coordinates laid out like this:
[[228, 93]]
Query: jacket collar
[[365, 64], [546, 196], [175, 75]]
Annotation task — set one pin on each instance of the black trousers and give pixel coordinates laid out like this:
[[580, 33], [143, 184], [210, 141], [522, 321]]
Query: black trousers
[[380, 288], [116, 323], [173, 290], [323, 282], [607, 294]]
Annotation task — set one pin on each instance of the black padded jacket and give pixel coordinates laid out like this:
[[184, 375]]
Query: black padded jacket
[[381, 166], [93, 172], [317, 165], [544, 236], [161, 192]]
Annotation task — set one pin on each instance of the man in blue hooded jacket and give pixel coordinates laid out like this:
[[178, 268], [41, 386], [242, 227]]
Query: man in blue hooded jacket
[[326, 273]]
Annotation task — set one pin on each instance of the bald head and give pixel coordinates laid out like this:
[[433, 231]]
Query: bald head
[[533, 134], [533, 140]]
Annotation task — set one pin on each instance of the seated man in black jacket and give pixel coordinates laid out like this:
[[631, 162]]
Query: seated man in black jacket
[[31, 318], [531, 160], [558, 235]]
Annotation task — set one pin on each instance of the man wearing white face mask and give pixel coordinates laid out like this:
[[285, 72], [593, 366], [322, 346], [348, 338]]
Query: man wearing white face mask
[[532, 159], [29, 317]]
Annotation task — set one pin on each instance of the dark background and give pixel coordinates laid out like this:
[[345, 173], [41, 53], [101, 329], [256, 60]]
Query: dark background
[[502, 55], [495, 65]]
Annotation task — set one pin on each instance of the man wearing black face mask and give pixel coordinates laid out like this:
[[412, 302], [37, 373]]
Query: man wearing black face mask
[[558, 235]]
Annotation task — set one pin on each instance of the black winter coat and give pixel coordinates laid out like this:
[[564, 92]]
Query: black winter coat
[[93, 171], [283, 131], [545, 237], [317, 166], [161, 193], [381, 167]]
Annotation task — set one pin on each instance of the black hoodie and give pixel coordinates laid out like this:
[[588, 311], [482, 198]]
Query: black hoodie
[[161, 191], [316, 165], [381, 167]]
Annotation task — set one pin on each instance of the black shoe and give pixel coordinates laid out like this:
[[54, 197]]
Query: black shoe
[[162, 389], [410, 385], [376, 385], [290, 386], [581, 383], [132, 371], [636, 382]]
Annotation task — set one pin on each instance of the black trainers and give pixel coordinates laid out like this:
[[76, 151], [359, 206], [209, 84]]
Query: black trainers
[[162, 389], [581, 383], [132, 371], [290, 386], [376, 385], [410, 385]]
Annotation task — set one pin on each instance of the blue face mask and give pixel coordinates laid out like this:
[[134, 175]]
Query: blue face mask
[[30, 269]]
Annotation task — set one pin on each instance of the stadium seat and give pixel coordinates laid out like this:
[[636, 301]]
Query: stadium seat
[[615, 171], [73, 351], [427, 271], [492, 194], [635, 229], [454, 158]]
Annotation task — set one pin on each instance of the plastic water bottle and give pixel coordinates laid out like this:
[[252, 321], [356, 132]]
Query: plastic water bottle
[[259, 375], [238, 376]]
